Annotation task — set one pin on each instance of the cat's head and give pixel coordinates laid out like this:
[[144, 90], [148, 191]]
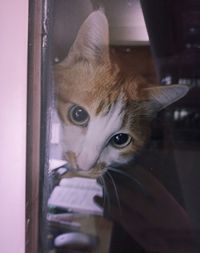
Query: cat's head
[[105, 116]]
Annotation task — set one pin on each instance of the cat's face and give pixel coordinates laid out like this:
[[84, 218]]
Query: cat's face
[[105, 117], [101, 123]]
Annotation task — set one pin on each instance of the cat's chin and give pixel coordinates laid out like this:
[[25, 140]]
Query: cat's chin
[[89, 174], [92, 173], [86, 174]]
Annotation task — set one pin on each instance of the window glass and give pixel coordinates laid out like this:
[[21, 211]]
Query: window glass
[[120, 127]]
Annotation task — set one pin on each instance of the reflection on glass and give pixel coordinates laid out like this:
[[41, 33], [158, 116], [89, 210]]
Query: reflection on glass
[[124, 129]]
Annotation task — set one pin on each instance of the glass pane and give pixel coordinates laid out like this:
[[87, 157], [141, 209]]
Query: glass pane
[[120, 132]]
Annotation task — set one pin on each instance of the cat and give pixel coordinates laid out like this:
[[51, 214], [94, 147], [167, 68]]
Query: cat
[[105, 116]]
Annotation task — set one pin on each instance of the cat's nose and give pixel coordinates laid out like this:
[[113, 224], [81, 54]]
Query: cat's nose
[[82, 162], [84, 165], [85, 162], [71, 159]]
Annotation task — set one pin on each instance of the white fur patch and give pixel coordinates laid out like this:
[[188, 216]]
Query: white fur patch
[[89, 143], [99, 132]]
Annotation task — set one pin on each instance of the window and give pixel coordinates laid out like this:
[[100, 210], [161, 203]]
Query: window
[[113, 126]]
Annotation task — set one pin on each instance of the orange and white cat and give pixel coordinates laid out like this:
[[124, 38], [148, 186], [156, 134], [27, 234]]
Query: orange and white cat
[[105, 116]]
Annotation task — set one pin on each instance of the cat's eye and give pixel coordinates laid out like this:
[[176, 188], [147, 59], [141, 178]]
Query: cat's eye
[[120, 140], [78, 115]]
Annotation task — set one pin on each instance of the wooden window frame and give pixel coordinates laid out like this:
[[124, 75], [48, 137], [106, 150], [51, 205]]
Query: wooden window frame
[[39, 98]]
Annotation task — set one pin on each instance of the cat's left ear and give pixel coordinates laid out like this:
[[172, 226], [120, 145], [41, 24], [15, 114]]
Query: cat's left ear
[[162, 96], [92, 41]]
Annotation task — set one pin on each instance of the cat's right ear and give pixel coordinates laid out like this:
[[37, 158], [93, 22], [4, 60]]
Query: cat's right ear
[[92, 41], [159, 97]]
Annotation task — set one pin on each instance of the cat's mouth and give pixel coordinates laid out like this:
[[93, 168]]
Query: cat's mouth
[[70, 157], [94, 172]]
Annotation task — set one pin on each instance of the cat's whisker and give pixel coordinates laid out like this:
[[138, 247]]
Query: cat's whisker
[[115, 190], [136, 182], [102, 181], [106, 193]]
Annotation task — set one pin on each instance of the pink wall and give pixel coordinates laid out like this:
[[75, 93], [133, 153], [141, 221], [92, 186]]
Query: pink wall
[[13, 70]]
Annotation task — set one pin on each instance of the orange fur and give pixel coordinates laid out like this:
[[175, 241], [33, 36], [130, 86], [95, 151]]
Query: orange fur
[[88, 78]]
